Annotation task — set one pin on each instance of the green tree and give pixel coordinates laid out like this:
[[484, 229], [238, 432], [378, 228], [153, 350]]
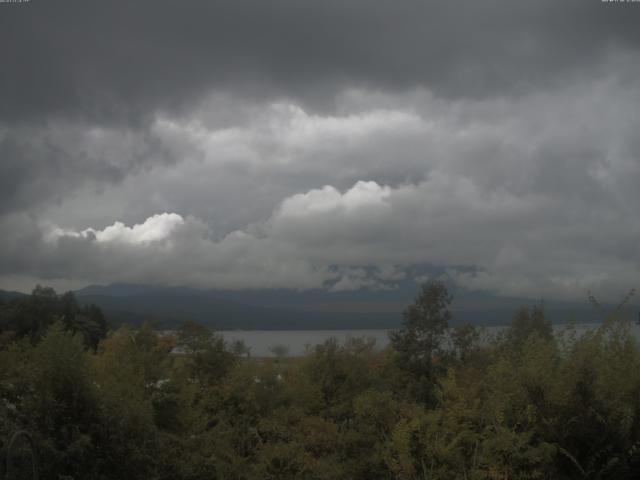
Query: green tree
[[63, 404], [279, 351], [464, 339], [525, 323], [31, 316], [419, 340], [209, 359]]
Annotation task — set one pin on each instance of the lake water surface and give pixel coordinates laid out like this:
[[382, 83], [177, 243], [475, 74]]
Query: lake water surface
[[296, 341]]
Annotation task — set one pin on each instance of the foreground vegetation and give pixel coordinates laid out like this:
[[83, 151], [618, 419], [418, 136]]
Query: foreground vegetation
[[436, 404]]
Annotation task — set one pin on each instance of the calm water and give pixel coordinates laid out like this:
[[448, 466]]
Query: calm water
[[260, 341]]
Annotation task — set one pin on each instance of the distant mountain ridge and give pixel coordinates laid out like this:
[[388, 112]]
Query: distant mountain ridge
[[8, 295], [281, 309], [170, 307], [305, 310]]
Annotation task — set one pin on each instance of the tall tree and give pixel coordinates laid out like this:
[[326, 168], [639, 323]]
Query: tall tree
[[419, 340], [525, 323]]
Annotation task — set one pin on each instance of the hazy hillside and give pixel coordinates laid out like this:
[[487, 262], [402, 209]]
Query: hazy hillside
[[168, 307], [304, 310], [314, 309], [8, 295]]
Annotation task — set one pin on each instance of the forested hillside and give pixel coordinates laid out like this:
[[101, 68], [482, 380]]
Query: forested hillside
[[436, 404]]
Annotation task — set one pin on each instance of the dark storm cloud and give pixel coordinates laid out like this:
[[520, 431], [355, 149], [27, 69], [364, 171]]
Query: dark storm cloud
[[245, 144], [44, 164], [116, 61]]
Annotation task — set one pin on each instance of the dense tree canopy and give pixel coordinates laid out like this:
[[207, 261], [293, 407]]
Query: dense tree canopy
[[30, 316], [151, 405]]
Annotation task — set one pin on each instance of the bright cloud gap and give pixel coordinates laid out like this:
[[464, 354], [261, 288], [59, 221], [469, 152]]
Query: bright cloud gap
[[322, 239]]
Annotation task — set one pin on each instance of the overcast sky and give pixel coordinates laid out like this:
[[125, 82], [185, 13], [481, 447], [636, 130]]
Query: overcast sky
[[259, 144]]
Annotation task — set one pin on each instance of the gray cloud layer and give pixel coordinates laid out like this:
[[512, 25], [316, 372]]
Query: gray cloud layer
[[125, 60], [262, 144]]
